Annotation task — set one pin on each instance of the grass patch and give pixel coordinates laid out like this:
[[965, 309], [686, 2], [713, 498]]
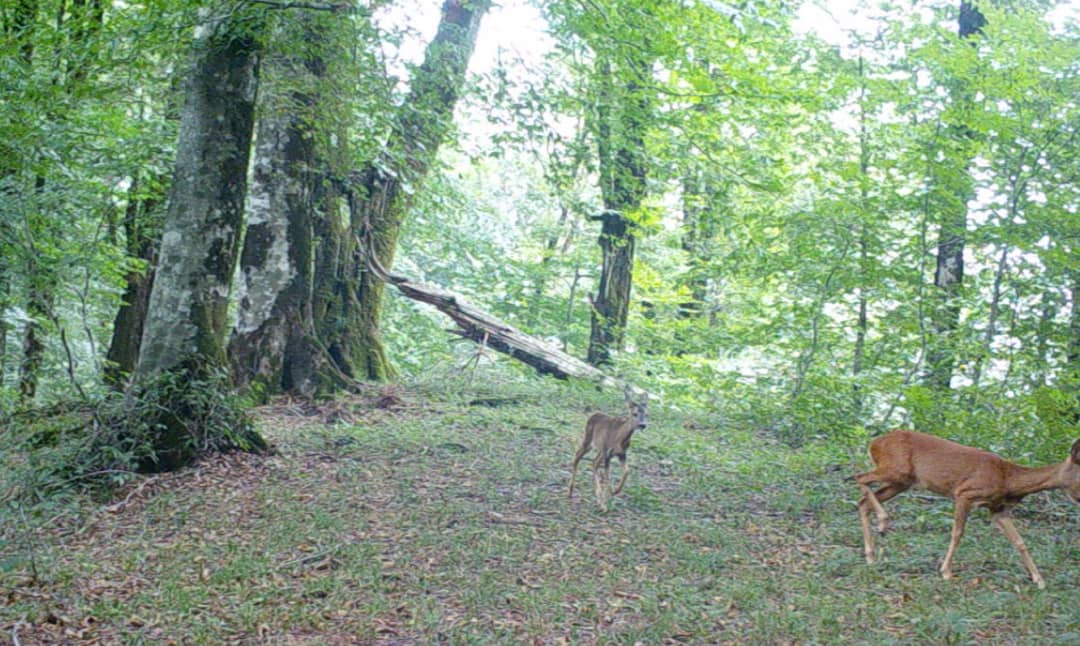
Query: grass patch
[[440, 516]]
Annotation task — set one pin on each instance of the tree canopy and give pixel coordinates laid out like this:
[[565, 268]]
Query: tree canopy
[[808, 230]]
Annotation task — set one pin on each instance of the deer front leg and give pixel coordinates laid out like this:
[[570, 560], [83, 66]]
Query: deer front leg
[[867, 533], [602, 476], [597, 478], [1004, 521], [622, 479], [959, 520]]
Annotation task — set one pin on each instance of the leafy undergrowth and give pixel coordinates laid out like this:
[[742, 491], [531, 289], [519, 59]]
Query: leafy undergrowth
[[426, 515]]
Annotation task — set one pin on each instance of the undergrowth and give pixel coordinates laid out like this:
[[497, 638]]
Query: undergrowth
[[436, 512]]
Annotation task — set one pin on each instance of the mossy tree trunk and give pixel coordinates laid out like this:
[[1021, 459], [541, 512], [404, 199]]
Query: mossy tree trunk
[[349, 297], [186, 323], [620, 124], [272, 346]]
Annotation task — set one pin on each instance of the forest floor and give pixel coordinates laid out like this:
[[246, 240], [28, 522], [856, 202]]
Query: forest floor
[[424, 515]]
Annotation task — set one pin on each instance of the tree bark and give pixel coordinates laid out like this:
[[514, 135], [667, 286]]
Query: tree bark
[[381, 196], [272, 343], [184, 337], [142, 232], [189, 302], [949, 274], [620, 133]]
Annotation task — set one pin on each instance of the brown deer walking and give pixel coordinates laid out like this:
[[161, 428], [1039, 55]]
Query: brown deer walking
[[971, 477], [610, 436]]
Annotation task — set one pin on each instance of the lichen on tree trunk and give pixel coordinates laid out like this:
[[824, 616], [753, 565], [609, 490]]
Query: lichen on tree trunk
[[270, 344], [620, 133], [184, 334], [350, 300]]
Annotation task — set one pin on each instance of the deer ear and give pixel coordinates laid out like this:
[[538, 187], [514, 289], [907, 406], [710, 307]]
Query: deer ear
[[1075, 454]]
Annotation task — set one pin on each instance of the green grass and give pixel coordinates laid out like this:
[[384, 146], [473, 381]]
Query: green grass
[[445, 520]]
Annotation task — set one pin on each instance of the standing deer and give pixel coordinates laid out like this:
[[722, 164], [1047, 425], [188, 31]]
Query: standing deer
[[610, 436], [971, 477]]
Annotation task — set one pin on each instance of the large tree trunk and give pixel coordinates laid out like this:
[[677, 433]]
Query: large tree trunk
[[189, 301], [949, 274], [620, 132], [275, 266], [186, 324], [380, 198], [272, 344]]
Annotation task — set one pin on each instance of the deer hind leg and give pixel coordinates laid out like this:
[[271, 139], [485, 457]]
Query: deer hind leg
[[874, 499], [1004, 521], [960, 514], [622, 479], [577, 458]]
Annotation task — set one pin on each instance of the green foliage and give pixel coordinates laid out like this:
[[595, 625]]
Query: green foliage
[[173, 419], [51, 456], [793, 185], [426, 510]]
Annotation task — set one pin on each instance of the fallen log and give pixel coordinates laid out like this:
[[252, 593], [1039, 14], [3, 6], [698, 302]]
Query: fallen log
[[483, 328]]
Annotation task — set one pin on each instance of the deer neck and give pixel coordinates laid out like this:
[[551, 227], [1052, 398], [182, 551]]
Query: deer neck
[[1026, 480], [625, 435]]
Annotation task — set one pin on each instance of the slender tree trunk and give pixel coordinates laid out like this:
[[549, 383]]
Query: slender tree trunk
[[862, 322], [40, 298], [381, 196], [38, 301], [142, 232], [620, 132], [18, 26], [552, 248], [1072, 349], [698, 200], [82, 20], [949, 275], [992, 320]]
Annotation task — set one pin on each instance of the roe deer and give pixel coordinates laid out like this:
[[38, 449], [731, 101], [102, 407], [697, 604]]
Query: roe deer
[[971, 477], [610, 436]]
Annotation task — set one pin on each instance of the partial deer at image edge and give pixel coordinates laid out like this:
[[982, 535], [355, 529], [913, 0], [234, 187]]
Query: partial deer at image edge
[[971, 477]]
